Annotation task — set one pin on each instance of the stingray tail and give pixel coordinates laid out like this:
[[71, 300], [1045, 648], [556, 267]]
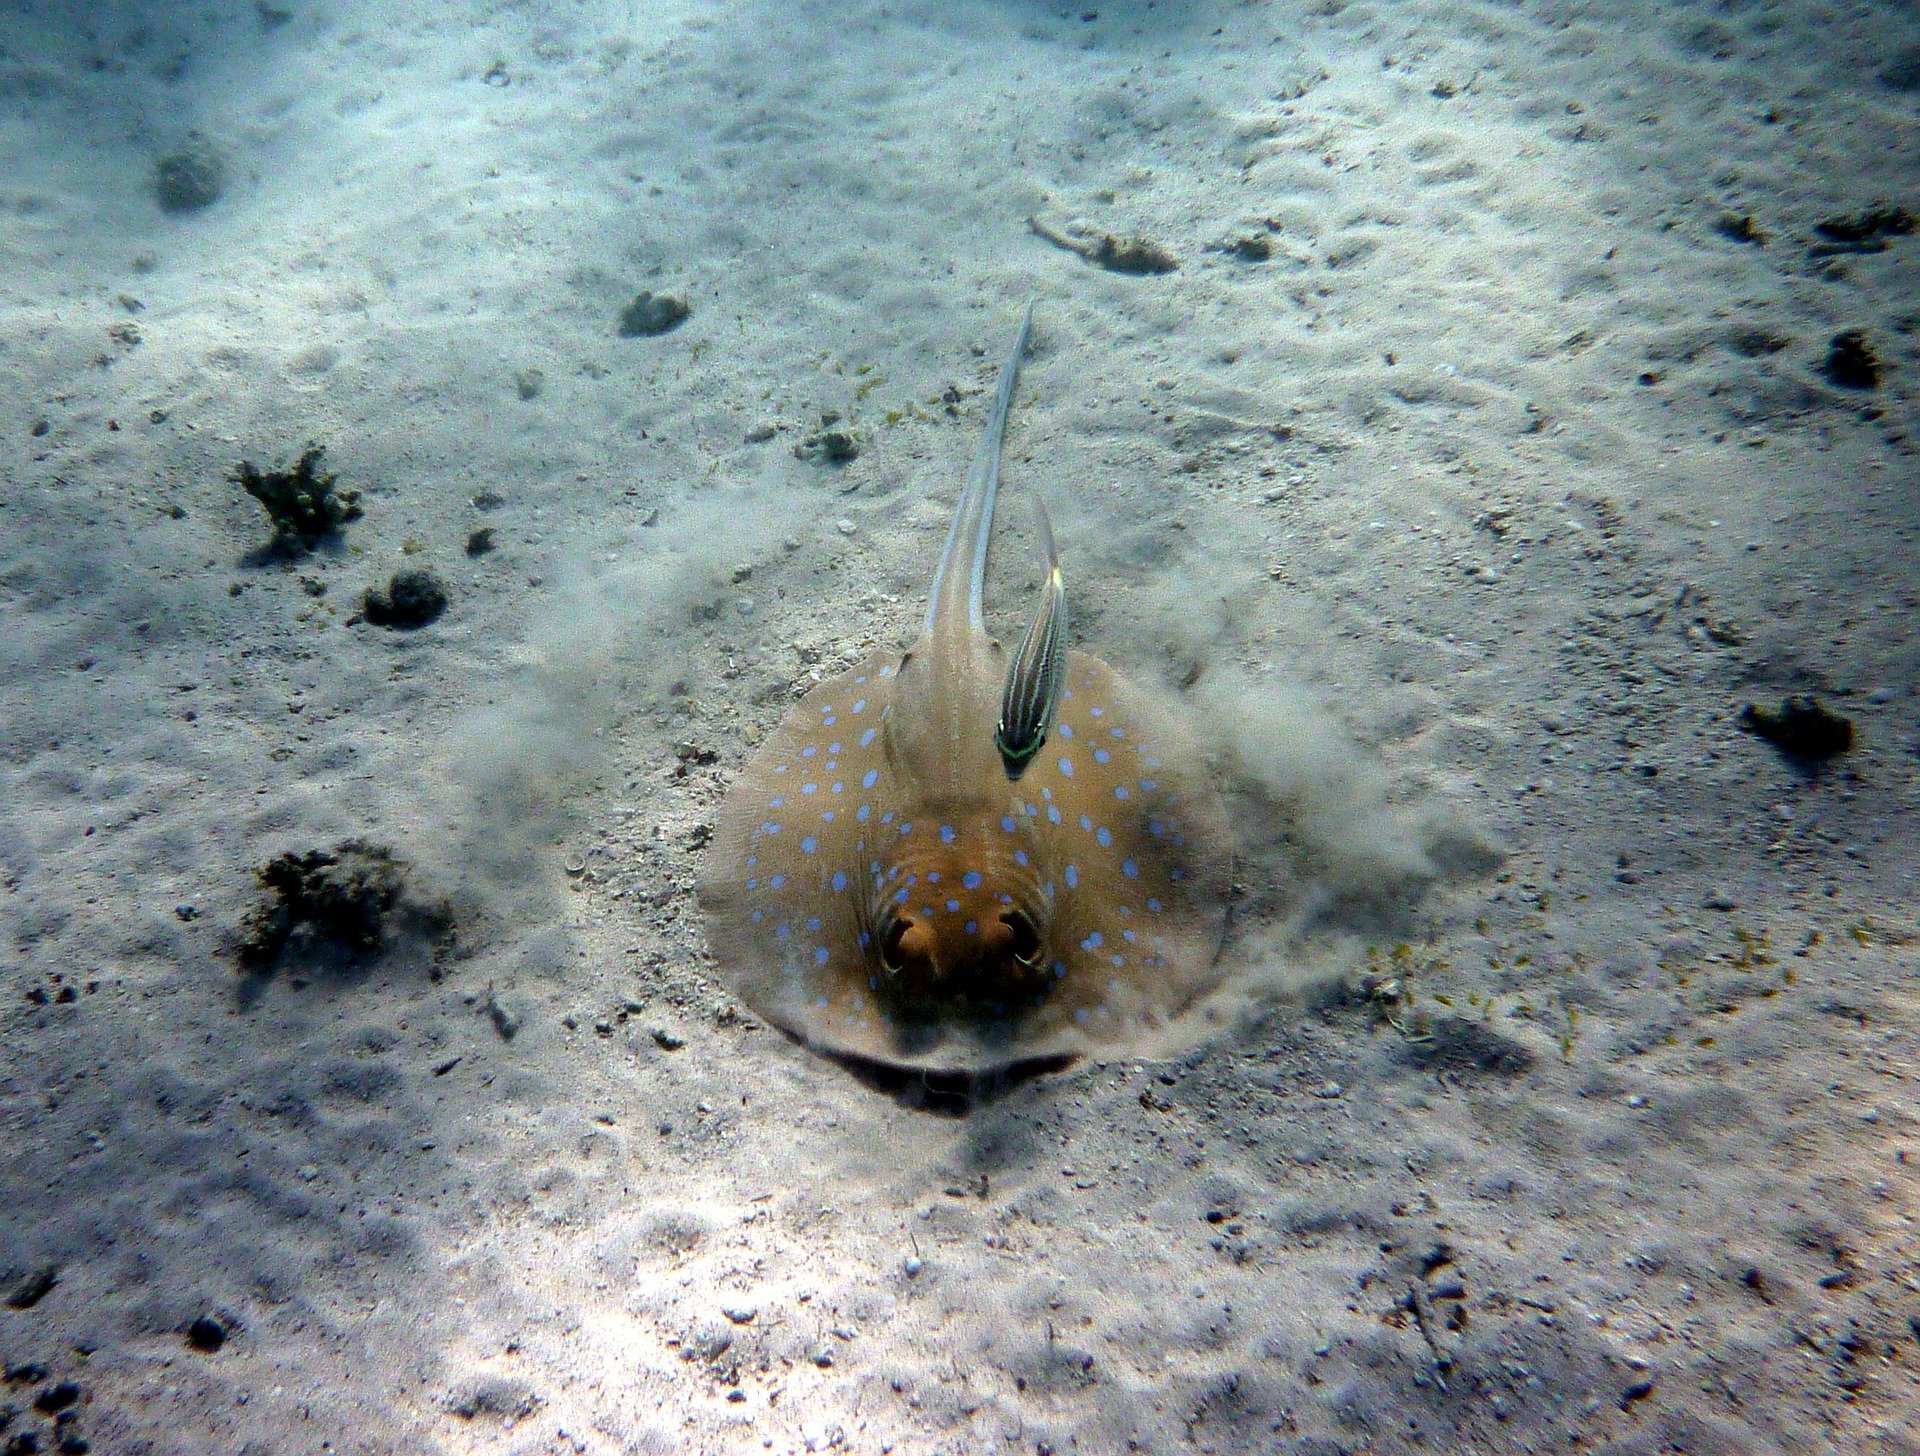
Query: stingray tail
[[963, 562]]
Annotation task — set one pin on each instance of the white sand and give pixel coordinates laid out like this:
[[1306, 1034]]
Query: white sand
[[1474, 515]]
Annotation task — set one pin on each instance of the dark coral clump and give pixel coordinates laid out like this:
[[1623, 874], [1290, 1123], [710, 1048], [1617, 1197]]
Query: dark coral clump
[[353, 895], [302, 504]]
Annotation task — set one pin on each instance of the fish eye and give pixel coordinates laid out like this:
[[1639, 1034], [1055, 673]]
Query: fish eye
[[1025, 944]]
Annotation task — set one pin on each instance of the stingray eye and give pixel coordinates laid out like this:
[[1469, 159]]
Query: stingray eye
[[902, 941], [1025, 943]]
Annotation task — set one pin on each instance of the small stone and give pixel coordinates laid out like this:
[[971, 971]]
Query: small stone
[[911, 1266], [837, 447], [57, 1397], [34, 1288], [480, 541], [1639, 1390], [412, 598], [191, 178], [206, 1334], [529, 382], [845, 527], [668, 1041], [760, 434], [1329, 1090], [186, 912], [739, 1314], [1720, 900], [653, 313], [1851, 361], [1802, 727], [821, 1355]]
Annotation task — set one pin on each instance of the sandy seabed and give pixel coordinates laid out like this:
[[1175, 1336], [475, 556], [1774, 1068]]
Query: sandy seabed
[[1486, 454]]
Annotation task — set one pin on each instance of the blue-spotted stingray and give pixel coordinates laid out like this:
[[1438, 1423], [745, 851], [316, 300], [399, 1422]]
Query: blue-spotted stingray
[[948, 859]]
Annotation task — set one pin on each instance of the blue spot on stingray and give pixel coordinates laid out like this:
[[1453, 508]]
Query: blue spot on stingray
[[900, 896], [813, 922], [906, 829], [1059, 970], [1006, 823], [867, 737], [933, 877], [1053, 813], [1096, 712], [1128, 936], [1177, 875], [1130, 868], [1104, 837], [1086, 821], [819, 955], [887, 818], [953, 907], [1147, 786], [782, 931], [870, 778], [862, 678], [866, 810], [809, 844], [1100, 755], [1066, 767], [946, 834], [827, 818], [776, 882], [971, 879], [1066, 730], [860, 704], [769, 828], [866, 939], [973, 927], [758, 916], [1093, 941], [839, 880], [753, 884], [809, 788], [1080, 1015], [776, 801], [837, 787], [1117, 732], [1073, 877], [1153, 906], [1120, 791], [1119, 960], [927, 910], [808, 751], [752, 860], [1020, 858], [833, 748], [827, 722]]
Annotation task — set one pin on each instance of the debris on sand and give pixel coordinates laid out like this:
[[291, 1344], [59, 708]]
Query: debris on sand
[[302, 504], [1115, 254], [653, 313], [411, 599], [1868, 230], [354, 894], [1803, 727], [191, 178]]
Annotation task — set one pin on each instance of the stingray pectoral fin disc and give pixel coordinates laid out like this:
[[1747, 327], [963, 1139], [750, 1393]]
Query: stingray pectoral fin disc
[[782, 882], [1141, 858]]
